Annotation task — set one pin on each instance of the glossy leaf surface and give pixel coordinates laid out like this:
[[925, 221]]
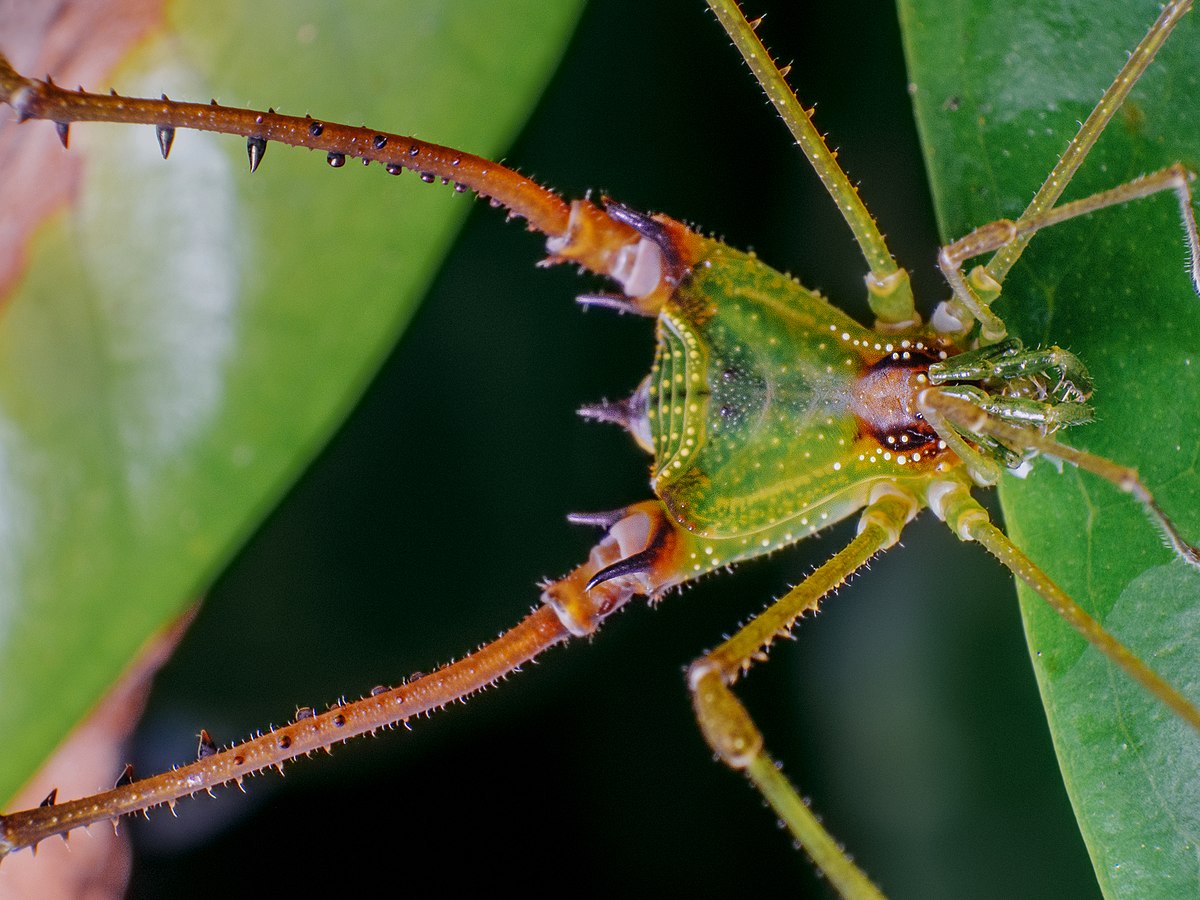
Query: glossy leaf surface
[[994, 114], [186, 337]]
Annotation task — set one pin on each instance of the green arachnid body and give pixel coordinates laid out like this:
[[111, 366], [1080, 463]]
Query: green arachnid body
[[772, 413], [769, 414]]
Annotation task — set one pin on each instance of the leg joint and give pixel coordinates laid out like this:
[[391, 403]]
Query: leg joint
[[951, 501], [725, 723], [890, 508]]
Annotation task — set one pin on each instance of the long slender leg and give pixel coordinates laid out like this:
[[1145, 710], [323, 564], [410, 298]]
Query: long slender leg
[[1089, 132], [539, 631], [571, 607], [580, 231], [972, 419], [970, 521], [975, 293], [727, 725], [888, 287]]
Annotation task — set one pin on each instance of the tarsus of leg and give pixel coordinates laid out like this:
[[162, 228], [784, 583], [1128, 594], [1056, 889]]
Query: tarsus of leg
[[540, 630], [888, 285], [1064, 170], [970, 521], [970, 418], [1004, 233], [726, 724], [592, 238]]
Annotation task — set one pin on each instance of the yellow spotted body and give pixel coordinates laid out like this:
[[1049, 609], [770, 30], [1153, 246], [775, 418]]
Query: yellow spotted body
[[768, 412]]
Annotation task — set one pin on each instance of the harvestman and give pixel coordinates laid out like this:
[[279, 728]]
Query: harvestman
[[769, 414]]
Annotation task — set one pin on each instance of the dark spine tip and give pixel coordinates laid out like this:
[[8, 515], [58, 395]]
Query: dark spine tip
[[51, 798], [126, 776], [336, 160], [207, 746], [256, 149], [166, 137], [604, 519], [643, 224], [638, 564], [619, 302], [64, 132], [649, 228], [619, 412]]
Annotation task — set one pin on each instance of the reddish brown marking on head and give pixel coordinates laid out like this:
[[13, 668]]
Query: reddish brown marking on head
[[884, 399]]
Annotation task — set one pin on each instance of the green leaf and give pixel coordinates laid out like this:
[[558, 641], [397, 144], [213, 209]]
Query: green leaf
[[999, 90], [185, 337]]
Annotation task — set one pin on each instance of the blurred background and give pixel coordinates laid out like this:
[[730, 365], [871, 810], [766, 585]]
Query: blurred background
[[907, 710]]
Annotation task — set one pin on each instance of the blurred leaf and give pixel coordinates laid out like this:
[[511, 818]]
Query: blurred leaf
[[97, 747], [186, 337], [995, 111]]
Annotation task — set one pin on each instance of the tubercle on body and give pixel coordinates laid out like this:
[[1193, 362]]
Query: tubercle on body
[[647, 549]]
